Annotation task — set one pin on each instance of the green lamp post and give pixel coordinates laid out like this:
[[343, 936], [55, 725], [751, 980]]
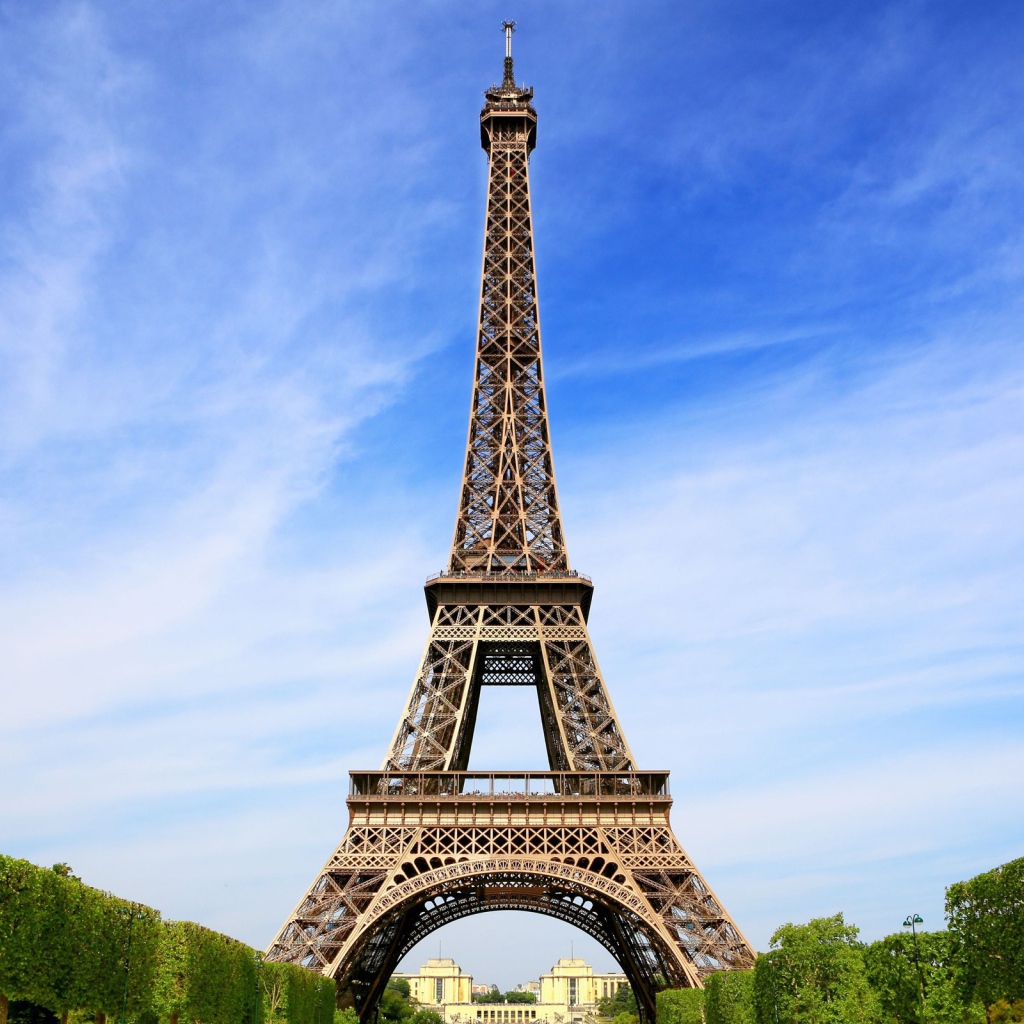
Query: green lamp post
[[911, 922], [134, 912]]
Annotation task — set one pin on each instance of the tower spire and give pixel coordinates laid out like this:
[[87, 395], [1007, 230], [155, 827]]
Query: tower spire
[[508, 519], [509, 81]]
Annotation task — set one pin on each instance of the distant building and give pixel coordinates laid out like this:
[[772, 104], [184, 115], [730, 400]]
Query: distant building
[[440, 981], [574, 983], [566, 995], [506, 1013]]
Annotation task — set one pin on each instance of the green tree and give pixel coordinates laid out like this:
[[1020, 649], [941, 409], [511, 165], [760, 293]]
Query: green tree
[[401, 986], [729, 998], [520, 997], [680, 1006], [426, 1017], [346, 1016], [986, 920], [492, 995], [915, 984], [626, 1018], [623, 1001], [814, 974], [394, 1006]]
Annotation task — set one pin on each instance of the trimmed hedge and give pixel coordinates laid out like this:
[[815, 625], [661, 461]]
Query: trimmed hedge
[[67, 947], [203, 976], [308, 997], [62, 943]]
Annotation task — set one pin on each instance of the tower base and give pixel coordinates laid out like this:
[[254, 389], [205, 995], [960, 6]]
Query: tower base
[[593, 849]]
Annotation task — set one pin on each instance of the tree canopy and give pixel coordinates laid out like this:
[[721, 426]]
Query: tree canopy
[[680, 1006], [495, 995], [623, 1001], [814, 974], [729, 998], [986, 921], [916, 983]]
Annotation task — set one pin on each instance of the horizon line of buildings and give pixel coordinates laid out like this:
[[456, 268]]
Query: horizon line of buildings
[[567, 994]]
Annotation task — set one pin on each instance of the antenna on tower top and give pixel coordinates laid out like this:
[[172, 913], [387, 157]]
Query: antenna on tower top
[[509, 81]]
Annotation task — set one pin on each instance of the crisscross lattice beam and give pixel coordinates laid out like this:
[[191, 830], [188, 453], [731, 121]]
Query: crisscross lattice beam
[[546, 646], [508, 517]]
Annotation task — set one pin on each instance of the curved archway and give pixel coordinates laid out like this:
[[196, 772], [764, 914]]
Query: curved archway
[[598, 902]]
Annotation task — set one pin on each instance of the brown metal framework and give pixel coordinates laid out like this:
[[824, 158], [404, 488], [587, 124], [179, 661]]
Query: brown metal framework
[[588, 842]]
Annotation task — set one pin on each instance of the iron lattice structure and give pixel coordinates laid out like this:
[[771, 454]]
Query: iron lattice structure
[[588, 842]]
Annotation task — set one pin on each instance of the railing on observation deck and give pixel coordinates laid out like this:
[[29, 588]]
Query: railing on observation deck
[[497, 785], [511, 574]]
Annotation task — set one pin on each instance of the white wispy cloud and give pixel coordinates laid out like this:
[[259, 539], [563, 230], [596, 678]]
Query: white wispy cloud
[[75, 171], [220, 282], [834, 578], [155, 636]]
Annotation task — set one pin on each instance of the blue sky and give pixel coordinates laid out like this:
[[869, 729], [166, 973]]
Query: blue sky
[[780, 258]]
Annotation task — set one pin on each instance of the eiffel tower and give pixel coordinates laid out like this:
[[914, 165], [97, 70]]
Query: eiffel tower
[[589, 840]]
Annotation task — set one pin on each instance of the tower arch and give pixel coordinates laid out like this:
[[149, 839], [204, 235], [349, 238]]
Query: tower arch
[[611, 913]]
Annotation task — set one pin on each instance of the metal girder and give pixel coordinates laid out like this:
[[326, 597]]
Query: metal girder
[[551, 650], [508, 518], [594, 849], [588, 842]]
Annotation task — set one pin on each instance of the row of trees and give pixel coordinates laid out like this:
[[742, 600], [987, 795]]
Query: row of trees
[[69, 948], [819, 973], [495, 995]]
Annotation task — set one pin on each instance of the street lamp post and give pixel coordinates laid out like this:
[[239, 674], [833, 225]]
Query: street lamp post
[[258, 960], [774, 961], [134, 912], [912, 921]]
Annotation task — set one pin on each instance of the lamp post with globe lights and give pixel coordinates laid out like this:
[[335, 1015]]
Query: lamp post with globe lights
[[911, 922]]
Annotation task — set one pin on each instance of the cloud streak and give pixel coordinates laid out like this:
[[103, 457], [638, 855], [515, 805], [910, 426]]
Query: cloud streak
[[784, 367]]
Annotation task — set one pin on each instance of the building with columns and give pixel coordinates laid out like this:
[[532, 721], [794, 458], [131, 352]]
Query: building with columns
[[572, 981], [440, 981], [507, 1013], [568, 994]]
